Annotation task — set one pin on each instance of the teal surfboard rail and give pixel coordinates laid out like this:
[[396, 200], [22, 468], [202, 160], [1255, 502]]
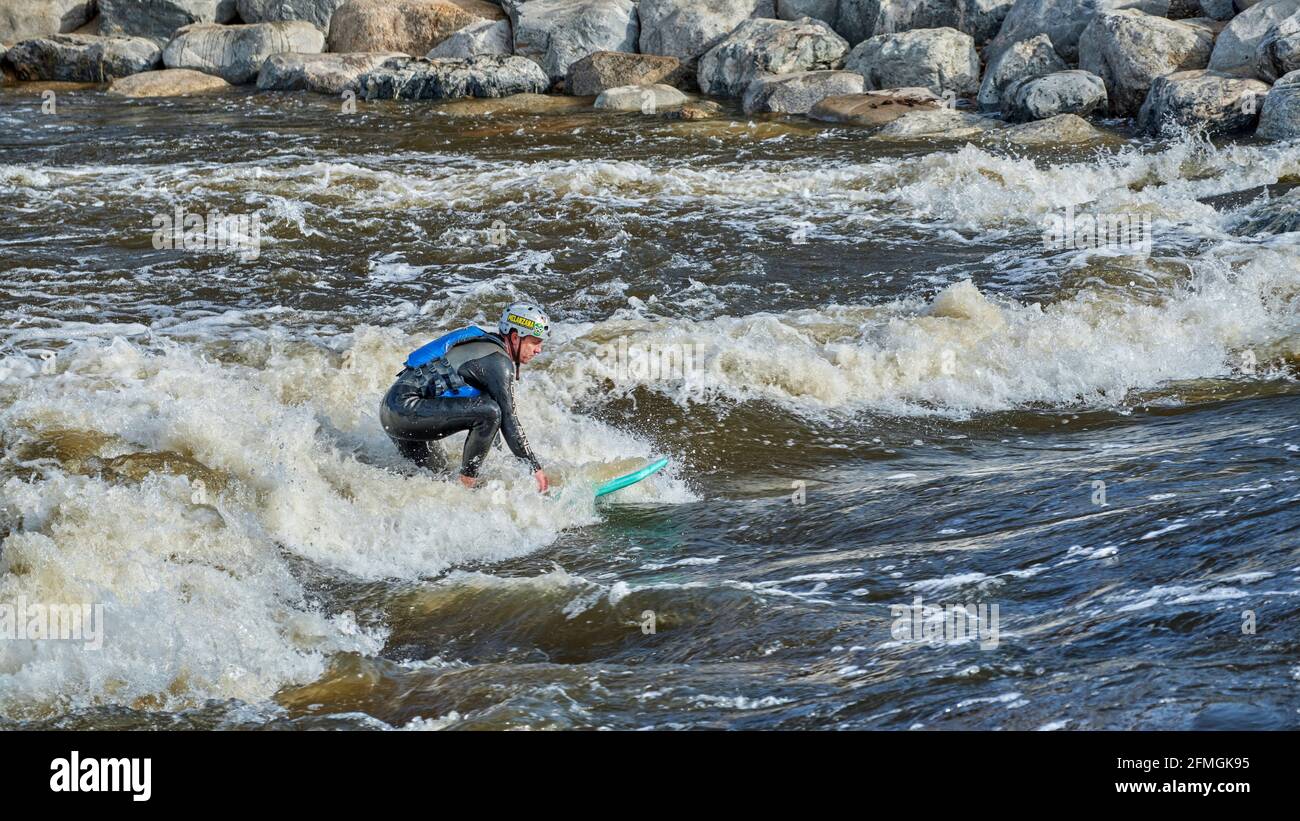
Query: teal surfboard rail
[[632, 478]]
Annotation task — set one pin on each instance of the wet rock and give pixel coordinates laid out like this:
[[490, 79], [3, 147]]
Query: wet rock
[[686, 29], [558, 33], [28, 19], [941, 124], [236, 53], [1025, 60], [82, 58], [759, 47], [321, 73], [1129, 49], [648, 99], [483, 76], [1273, 216], [1062, 21], [1061, 92], [1063, 128], [159, 19], [316, 12], [611, 69], [169, 82], [1279, 116], [798, 92], [483, 37], [407, 26], [1215, 102], [943, 60], [874, 108], [1237, 49], [698, 110]]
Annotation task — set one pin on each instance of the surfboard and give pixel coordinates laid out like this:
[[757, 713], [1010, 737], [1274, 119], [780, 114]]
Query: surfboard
[[632, 478]]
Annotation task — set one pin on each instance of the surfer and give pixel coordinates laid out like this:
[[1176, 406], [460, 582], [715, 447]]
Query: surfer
[[464, 381]]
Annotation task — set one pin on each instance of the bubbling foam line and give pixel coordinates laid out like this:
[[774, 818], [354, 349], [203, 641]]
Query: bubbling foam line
[[971, 188], [960, 353]]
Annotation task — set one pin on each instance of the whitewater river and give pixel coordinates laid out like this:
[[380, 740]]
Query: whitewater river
[[890, 389]]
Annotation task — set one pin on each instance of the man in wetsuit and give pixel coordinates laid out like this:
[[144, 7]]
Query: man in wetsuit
[[464, 381]]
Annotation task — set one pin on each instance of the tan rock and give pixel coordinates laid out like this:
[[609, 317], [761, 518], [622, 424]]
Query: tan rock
[[170, 82], [874, 108], [408, 26], [1061, 129]]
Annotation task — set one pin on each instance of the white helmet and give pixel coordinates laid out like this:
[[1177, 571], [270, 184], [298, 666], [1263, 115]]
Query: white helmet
[[527, 318]]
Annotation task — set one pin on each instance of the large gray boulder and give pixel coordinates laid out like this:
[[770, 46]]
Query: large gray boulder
[[405, 78], [1237, 50], [407, 26], [1061, 92], [1201, 100], [321, 73], [686, 29], [483, 37], [874, 108], [558, 33], [1027, 59], [613, 69], [25, 19], [798, 92], [760, 46], [856, 20], [159, 19], [1062, 21], [316, 12], [1279, 51], [648, 99], [236, 53], [1279, 116], [1129, 49], [943, 60], [940, 124], [82, 58]]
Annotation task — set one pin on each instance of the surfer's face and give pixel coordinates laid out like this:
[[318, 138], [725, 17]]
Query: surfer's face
[[528, 347]]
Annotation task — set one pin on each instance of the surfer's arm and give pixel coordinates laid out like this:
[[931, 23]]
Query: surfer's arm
[[496, 375]]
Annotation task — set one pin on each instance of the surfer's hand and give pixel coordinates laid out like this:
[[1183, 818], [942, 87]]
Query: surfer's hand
[[542, 484]]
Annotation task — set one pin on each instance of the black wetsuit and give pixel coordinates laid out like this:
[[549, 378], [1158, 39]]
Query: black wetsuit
[[413, 419]]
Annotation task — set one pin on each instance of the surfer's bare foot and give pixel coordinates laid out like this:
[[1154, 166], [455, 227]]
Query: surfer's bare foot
[[467, 481], [542, 483]]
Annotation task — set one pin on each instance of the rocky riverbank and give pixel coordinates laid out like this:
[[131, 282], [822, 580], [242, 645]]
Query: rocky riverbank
[[910, 69]]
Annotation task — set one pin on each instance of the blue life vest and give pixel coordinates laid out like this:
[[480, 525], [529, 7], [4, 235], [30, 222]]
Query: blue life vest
[[432, 358]]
